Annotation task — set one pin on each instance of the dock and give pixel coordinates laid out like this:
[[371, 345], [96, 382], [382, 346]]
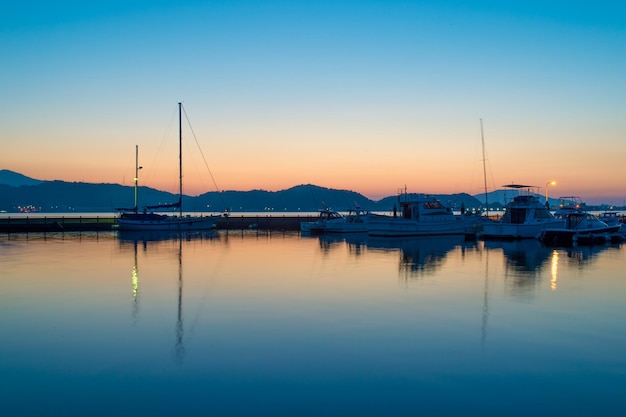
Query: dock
[[86, 223], [267, 222]]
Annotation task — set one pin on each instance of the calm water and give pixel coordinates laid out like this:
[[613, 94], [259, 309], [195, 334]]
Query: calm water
[[279, 324]]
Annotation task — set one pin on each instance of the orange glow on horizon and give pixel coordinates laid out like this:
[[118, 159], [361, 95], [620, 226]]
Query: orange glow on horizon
[[372, 184], [445, 162]]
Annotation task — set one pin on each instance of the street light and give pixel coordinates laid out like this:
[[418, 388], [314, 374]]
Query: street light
[[547, 184]]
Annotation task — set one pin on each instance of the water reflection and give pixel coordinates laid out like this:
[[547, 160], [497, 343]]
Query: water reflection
[[554, 270], [524, 260], [135, 282], [523, 257], [145, 237], [356, 242], [179, 348], [577, 256], [153, 238], [239, 325], [418, 255], [582, 255]]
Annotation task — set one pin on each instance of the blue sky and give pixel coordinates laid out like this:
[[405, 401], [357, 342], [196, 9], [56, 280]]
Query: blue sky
[[363, 95]]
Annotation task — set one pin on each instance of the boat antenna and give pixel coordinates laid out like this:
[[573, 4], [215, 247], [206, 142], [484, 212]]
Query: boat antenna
[[137, 168], [482, 137]]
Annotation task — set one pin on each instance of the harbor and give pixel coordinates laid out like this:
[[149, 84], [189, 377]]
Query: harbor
[[286, 222]]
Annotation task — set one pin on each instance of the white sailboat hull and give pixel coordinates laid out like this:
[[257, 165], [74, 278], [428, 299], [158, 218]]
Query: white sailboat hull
[[167, 223]]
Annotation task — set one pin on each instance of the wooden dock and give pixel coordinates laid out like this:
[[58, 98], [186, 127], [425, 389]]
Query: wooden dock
[[268, 222], [56, 224]]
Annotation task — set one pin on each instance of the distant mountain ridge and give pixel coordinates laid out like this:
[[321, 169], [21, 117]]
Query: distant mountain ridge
[[18, 192], [15, 179]]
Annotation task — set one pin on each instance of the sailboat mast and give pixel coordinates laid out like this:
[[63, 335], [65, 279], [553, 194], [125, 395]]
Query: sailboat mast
[[136, 174], [180, 159], [482, 136]]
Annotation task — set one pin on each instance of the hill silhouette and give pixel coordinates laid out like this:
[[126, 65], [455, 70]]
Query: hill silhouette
[[15, 179], [18, 191]]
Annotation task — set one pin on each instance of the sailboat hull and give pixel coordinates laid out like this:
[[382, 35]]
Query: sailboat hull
[[161, 222]]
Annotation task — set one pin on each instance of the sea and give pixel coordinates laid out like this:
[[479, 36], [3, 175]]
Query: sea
[[259, 323]]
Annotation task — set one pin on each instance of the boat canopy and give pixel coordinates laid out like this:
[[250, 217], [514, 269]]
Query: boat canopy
[[519, 186], [171, 205]]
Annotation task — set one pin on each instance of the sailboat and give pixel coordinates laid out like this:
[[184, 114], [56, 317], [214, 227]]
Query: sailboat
[[133, 220]]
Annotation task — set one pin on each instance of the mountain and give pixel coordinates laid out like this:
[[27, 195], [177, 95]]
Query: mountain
[[16, 180], [308, 197], [498, 198], [59, 196], [456, 201], [299, 198]]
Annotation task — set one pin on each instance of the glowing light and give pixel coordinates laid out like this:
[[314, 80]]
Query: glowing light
[[554, 270], [135, 283]]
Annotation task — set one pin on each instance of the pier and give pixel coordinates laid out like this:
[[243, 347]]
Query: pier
[[86, 223]]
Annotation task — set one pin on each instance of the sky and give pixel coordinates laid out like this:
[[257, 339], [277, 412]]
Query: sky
[[369, 96]]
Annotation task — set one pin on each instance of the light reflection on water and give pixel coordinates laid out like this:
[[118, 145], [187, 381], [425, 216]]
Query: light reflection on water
[[250, 323]]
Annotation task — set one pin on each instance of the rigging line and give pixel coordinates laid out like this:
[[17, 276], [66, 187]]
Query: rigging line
[[153, 169], [205, 297], [203, 157], [201, 153], [486, 165]]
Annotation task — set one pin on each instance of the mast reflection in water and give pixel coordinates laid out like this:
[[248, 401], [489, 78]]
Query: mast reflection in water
[[146, 237]]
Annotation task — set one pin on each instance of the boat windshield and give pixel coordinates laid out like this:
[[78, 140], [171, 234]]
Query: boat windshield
[[575, 220], [542, 214], [329, 215], [516, 215], [433, 205]]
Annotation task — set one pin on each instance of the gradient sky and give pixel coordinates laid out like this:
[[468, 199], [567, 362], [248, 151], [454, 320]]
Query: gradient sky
[[362, 95]]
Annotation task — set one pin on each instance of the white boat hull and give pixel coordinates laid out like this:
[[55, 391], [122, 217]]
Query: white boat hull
[[393, 226], [497, 230], [168, 223], [569, 236], [347, 228], [333, 222]]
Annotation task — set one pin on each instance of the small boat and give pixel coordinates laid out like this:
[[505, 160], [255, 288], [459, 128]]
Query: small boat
[[613, 218], [331, 221], [421, 215], [580, 227], [567, 205], [147, 220], [524, 217]]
